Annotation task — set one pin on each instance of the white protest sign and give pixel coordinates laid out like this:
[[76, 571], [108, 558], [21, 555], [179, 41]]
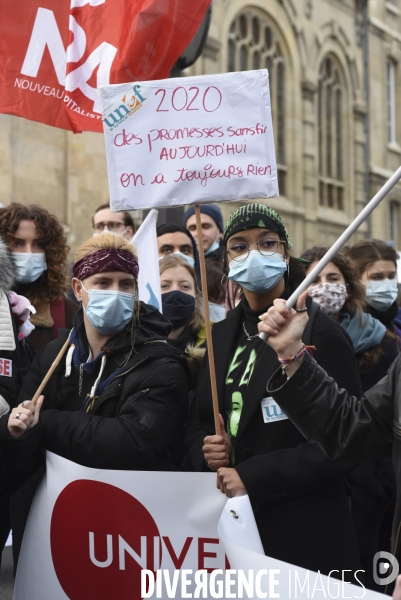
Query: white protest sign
[[189, 140]]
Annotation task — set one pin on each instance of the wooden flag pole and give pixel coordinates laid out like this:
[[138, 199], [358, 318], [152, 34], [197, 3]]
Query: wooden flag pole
[[50, 372], [210, 350]]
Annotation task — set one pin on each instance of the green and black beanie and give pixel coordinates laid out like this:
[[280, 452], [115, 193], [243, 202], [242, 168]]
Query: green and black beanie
[[252, 216]]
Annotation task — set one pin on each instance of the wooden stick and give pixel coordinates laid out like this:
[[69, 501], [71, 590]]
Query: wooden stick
[[50, 372], [210, 351]]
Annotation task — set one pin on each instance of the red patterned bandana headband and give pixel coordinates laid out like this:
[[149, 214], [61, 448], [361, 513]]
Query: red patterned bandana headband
[[105, 260]]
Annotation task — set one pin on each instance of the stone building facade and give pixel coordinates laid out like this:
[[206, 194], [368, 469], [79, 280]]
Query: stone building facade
[[335, 74]]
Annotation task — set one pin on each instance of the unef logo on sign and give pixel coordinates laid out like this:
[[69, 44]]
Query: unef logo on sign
[[129, 106], [102, 537], [46, 34]]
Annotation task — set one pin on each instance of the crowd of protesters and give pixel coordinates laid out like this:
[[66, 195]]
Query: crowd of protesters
[[123, 398]]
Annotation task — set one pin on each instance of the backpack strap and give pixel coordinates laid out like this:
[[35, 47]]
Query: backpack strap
[[312, 312], [57, 312]]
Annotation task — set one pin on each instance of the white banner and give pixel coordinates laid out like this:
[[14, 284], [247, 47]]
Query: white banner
[[98, 534], [145, 242], [189, 140], [273, 578], [90, 532]]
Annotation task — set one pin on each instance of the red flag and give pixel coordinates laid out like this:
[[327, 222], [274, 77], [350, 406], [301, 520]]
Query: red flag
[[55, 53]]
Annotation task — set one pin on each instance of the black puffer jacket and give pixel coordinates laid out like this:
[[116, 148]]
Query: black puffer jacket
[[136, 419]]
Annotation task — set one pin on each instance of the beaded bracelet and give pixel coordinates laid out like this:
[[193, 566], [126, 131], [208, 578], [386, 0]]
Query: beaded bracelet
[[287, 361]]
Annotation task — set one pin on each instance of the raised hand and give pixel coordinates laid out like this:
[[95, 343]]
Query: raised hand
[[285, 327]]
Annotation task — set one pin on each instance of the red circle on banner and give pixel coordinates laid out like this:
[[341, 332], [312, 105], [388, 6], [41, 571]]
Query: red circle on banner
[[95, 529]]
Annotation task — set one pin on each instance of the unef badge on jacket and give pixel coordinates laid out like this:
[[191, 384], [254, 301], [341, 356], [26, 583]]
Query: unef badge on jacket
[[271, 411]]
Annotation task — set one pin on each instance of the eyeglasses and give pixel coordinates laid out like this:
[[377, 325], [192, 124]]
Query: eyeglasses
[[110, 225], [267, 246]]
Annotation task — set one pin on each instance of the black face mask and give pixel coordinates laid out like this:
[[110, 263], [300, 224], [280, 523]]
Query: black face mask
[[178, 307]]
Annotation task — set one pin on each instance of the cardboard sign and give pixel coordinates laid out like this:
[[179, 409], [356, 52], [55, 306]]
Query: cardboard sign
[[189, 140]]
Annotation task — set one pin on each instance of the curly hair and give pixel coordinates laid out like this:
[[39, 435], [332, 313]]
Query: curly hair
[[51, 285], [173, 261], [355, 300]]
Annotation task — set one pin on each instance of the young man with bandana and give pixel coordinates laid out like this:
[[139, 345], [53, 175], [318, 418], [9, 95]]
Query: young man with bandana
[[119, 397], [298, 495]]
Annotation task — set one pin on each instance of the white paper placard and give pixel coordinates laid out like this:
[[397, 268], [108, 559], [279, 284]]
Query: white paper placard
[[189, 140]]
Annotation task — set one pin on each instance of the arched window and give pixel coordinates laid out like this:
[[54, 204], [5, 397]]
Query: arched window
[[331, 155], [254, 44]]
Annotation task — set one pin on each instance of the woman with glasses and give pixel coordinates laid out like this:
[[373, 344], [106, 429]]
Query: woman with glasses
[[299, 497]]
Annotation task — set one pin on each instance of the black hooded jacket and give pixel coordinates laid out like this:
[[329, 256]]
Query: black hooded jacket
[[135, 421]]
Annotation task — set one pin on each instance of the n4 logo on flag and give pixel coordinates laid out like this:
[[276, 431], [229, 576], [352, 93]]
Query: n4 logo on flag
[[54, 58]]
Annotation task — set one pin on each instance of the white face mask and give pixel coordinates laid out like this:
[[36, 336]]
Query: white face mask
[[29, 266], [105, 230], [330, 296], [381, 294], [189, 259]]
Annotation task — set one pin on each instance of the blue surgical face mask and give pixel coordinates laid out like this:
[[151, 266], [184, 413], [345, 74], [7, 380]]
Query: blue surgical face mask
[[381, 294], [29, 266], [213, 247], [258, 273], [109, 311]]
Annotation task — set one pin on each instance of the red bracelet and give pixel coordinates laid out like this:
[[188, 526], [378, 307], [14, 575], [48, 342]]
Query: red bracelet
[[286, 361]]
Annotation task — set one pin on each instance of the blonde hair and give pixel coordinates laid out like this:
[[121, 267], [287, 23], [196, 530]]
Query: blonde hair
[[172, 262], [104, 241]]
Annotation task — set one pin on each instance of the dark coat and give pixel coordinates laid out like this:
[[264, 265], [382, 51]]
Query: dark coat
[[346, 425], [217, 256], [297, 494], [136, 420]]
